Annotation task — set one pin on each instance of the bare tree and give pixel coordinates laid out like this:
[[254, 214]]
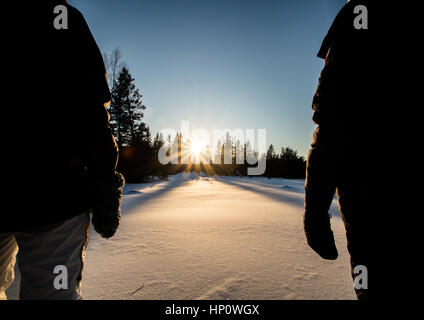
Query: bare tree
[[114, 65]]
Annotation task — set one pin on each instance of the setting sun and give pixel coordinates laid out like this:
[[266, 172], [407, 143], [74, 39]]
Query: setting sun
[[196, 148]]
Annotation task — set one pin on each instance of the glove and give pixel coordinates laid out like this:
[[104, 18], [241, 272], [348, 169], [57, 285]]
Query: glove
[[319, 191], [107, 205], [320, 237]]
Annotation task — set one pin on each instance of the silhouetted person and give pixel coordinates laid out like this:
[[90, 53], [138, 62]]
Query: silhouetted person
[[344, 143], [60, 155]]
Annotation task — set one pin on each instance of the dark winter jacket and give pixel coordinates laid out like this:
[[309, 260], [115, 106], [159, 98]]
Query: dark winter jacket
[[342, 156], [60, 145], [342, 104]]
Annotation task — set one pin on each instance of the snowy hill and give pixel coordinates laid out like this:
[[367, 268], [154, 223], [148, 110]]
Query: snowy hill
[[195, 237]]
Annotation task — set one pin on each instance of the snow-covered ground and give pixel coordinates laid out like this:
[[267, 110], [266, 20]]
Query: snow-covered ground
[[195, 237]]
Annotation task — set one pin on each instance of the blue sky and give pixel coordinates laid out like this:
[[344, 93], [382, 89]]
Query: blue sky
[[220, 64]]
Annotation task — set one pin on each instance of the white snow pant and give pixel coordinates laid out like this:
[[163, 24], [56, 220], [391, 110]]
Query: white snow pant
[[50, 260]]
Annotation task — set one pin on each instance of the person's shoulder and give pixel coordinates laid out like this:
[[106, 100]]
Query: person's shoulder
[[350, 9], [352, 4], [73, 11], [74, 14], [343, 24], [347, 11]]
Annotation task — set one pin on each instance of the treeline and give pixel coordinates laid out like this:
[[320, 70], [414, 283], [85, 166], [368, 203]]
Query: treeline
[[231, 158], [286, 164], [138, 151]]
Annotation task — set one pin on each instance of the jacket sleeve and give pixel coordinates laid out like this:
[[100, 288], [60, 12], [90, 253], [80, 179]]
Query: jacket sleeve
[[325, 100]]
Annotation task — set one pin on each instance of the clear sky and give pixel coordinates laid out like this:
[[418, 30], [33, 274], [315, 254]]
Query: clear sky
[[220, 63]]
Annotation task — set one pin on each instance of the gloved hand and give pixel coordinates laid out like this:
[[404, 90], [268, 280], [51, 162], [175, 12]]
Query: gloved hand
[[107, 205], [320, 237]]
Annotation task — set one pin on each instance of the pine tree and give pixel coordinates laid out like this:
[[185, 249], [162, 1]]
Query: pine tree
[[218, 154], [227, 150], [126, 110], [288, 154], [270, 154]]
